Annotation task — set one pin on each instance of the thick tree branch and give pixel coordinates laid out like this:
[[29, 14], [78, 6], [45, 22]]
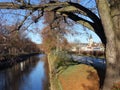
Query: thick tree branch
[[89, 13], [80, 20], [98, 28], [8, 5]]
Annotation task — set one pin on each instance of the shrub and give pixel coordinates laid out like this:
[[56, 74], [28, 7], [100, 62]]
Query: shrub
[[57, 59]]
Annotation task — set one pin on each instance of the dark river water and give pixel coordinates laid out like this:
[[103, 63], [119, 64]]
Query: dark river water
[[31, 74]]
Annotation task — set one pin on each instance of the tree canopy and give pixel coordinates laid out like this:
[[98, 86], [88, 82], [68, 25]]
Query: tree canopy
[[67, 9]]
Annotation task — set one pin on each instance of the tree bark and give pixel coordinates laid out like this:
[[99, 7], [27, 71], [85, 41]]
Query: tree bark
[[115, 13], [112, 45]]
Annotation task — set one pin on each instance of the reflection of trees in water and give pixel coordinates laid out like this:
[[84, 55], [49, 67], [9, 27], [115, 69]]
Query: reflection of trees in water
[[12, 78], [46, 84]]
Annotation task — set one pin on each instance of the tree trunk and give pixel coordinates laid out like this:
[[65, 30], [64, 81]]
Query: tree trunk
[[115, 13], [112, 45]]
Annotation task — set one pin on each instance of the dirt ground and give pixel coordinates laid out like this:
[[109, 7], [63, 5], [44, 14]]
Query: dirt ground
[[79, 77]]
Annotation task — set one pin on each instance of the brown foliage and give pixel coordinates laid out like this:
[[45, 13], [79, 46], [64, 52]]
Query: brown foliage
[[52, 39], [49, 39], [49, 17], [116, 86], [11, 43], [53, 33]]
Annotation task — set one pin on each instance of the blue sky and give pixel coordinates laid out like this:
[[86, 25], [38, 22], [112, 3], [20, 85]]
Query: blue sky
[[77, 27], [85, 33], [83, 37], [35, 36]]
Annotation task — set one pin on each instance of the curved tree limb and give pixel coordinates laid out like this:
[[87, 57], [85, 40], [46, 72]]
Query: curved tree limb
[[80, 20], [98, 28]]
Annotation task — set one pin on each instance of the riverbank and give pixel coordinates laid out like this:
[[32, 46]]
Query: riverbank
[[10, 60], [67, 75]]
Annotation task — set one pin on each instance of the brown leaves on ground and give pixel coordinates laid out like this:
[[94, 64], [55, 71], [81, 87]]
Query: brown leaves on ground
[[116, 86], [79, 77]]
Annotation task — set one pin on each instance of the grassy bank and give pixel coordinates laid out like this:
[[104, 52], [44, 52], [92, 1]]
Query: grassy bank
[[57, 61], [67, 75]]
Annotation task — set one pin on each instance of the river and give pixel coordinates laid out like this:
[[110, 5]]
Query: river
[[31, 74]]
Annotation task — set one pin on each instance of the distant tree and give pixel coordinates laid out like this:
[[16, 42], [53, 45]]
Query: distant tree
[[49, 39], [13, 43], [53, 35], [65, 45]]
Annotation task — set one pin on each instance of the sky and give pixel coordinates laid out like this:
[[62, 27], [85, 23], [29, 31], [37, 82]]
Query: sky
[[83, 37], [35, 36]]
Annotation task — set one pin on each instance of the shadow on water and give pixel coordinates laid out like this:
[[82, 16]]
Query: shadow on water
[[100, 66], [32, 74]]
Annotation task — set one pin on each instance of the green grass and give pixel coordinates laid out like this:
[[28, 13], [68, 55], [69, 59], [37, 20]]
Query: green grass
[[57, 64], [60, 64], [58, 59], [75, 68]]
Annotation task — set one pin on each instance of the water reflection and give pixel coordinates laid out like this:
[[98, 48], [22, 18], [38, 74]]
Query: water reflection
[[21, 66], [28, 75]]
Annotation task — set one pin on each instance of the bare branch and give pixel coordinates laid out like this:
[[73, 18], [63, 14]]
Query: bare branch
[[60, 7], [20, 25]]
